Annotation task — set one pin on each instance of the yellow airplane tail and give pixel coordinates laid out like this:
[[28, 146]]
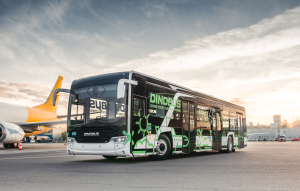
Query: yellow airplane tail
[[47, 106]]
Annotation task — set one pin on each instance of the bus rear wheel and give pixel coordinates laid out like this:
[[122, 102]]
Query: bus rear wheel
[[163, 148], [109, 157], [229, 145]]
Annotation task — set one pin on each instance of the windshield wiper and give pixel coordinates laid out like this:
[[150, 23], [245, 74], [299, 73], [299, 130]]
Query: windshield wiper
[[100, 119], [88, 124]]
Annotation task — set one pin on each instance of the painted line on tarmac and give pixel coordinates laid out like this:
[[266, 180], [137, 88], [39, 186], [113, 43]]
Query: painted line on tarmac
[[33, 157]]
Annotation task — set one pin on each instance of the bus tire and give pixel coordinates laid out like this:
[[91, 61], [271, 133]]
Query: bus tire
[[229, 145], [109, 157], [163, 148]]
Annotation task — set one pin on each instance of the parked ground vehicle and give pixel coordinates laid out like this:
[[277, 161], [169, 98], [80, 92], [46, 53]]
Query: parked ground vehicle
[[282, 138], [277, 139], [132, 114], [295, 139]]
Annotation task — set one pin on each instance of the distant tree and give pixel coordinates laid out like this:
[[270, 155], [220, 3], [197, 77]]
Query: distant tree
[[64, 135], [284, 124], [296, 122]]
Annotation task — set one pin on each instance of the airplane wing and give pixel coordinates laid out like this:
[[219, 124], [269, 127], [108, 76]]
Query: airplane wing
[[35, 128], [44, 123]]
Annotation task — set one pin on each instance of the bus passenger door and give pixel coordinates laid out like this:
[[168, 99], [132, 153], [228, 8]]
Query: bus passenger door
[[241, 130], [138, 127], [219, 132], [185, 124], [192, 127], [214, 129], [188, 121]]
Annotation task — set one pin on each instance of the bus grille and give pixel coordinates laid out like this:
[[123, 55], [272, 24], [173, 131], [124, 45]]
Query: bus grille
[[92, 140]]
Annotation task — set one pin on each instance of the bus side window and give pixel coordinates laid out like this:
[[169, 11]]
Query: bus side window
[[138, 107]]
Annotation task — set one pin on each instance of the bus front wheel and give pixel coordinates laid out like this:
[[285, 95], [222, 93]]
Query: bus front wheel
[[229, 145], [163, 148], [109, 157]]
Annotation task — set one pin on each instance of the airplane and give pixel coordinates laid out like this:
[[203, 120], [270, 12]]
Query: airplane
[[17, 122], [33, 138], [42, 138]]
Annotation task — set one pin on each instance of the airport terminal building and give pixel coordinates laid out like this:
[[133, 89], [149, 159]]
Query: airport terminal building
[[269, 134]]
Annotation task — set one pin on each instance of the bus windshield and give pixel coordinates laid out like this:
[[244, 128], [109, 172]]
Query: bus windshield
[[97, 106]]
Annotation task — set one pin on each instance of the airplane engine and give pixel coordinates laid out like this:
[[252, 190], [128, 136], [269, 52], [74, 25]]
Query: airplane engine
[[10, 133]]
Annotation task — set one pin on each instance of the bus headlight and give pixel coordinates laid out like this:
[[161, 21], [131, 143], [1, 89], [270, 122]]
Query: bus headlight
[[70, 139], [118, 139]]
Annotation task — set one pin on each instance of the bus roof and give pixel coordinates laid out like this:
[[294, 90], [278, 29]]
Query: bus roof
[[184, 88], [114, 77]]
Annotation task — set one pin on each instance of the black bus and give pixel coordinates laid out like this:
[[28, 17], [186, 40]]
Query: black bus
[[133, 114]]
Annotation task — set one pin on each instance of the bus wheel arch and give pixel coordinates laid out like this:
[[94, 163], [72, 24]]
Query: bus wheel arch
[[169, 135], [163, 143], [229, 144]]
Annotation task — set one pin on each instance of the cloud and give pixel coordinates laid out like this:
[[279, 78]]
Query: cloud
[[29, 94], [263, 38], [151, 9], [238, 101], [253, 60], [242, 65]]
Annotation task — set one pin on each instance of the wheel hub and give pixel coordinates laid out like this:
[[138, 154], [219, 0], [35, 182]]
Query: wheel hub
[[230, 145], [161, 147]]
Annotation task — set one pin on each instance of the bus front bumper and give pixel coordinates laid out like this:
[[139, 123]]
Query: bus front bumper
[[108, 149]]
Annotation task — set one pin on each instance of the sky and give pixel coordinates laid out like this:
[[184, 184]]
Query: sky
[[245, 52]]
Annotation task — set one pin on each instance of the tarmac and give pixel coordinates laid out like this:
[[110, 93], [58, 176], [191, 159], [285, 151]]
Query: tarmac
[[46, 166]]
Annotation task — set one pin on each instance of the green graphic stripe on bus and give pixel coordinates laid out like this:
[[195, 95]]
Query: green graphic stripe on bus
[[132, 142], [200, 133], [157, 128], [140, 124], [186, 139], [149, 144], [198, 145], [129, 139], [136, 152], [176, 147]]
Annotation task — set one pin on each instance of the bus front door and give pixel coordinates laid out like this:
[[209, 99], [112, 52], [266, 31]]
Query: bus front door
[[188, 119], [241, 130], [138, 126], [214, 130]]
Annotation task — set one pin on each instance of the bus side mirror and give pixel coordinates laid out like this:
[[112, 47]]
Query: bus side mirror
[[121, 87], [55, 92]]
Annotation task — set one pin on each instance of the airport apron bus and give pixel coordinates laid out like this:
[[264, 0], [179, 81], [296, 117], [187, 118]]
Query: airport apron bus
[[133, 114]]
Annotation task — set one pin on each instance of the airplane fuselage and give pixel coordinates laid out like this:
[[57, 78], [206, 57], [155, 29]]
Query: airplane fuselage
[[21, 114]]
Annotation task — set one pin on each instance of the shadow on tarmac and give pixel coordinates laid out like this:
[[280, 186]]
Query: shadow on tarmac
[[145, 159]]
